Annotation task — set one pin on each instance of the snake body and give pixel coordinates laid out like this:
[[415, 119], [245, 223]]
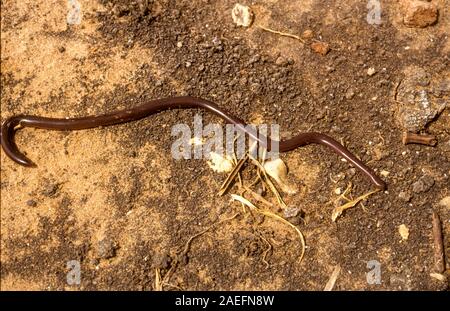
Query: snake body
[[10, 126]]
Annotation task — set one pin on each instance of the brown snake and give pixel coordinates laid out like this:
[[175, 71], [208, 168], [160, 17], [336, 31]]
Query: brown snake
[[13, 123]]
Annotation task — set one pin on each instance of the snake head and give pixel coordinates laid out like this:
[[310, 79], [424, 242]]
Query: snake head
[[7, 134]]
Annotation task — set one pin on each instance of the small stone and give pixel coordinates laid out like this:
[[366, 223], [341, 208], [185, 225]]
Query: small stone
[[188, 64], [321, 48], [445, 202], [106, 248], [308, 34], [349, 94], [423, 184], [291, 212], [404, 232], [242, 15], [405, 196], [419, 14], [416, 105], [179, 44], [338, 191], [438, 276], [280, 61], [94, 261], [61, 49], [32, 203], [50, 190], [330, 69], [384, 173], [351, 172], [161, 261], [261, 191], [371, 71]]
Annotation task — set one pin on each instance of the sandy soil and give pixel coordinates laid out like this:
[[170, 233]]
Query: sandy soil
[[114, 200]]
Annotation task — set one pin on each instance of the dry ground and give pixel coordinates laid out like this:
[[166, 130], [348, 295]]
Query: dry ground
[[114, 199]]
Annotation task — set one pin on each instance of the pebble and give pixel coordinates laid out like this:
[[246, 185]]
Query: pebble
[[423, 184], [445, 202], [242, 15], [371, 71], [351, 172], [32, 203], [106, 248], [291, 212], [280, 61], [384, 173], [416, 106], [405, 196], [321, 48], [161, 261], [419, 14], [349, 94], [404, 232], [308, 34], [50, 190]]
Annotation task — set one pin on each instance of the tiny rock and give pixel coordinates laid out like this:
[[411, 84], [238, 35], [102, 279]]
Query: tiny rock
[[350, 94], [291, 212], [308, 34], [161, 261], [219, 163], [404, 196], [384, 173], [280, 61], [438, 276], [32, 203], [415, 104], [445, 202], [423, 184], [106, 248], [242, 15], [321, 48], [404, 232], [419, 14], [371, 71]]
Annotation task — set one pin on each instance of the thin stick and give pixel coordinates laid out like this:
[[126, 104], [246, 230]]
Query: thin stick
[[284, 34], [269, 182], [340, 209], [281, 219], [266, 251], [229, 180], [333, 277], [258, 197], [158, 283], [439, 260]]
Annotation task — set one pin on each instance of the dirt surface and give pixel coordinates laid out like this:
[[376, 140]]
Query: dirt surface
[[113, 198]]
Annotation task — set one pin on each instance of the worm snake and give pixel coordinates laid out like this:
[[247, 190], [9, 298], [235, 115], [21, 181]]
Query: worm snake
[[13, 123]]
